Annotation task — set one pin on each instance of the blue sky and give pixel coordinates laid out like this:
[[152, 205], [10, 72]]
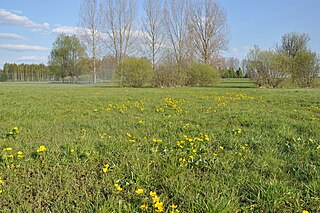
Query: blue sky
[[29, 27]]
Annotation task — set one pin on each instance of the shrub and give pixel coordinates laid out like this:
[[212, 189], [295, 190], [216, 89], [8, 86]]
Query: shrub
[[133, 72], [306, 68], [201, 75], [168, 75]]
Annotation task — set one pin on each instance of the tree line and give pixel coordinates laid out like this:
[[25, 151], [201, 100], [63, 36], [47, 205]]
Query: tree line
[[176, 43], [25, 72], [172, 36]]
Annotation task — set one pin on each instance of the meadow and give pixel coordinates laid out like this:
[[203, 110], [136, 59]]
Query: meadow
[[97, 148]]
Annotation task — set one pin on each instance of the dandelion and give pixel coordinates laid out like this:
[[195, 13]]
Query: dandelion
[[221, 148], [132, 141], [305, 211], [8, 149], [153, 194], [41, 149], [157, 141], [129, 135], [10, 156], [16, 129], [173, 206], [1, 181], [182, 160], [144, 207], [105, 169], [159, 206], [71, 151], [239, 131], [156, 199], [19, 154], [139, 191], [118, 187]]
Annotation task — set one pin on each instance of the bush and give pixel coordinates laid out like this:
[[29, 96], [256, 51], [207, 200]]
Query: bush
[[201, 75], [168, 75], [133, 72], [306, 68]]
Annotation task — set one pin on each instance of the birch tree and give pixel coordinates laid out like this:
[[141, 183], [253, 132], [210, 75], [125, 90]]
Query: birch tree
[[91, 37], [119, 16], [176, 21], [153, 28]]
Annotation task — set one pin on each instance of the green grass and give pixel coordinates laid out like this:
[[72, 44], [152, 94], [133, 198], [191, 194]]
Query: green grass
[[240, 149]]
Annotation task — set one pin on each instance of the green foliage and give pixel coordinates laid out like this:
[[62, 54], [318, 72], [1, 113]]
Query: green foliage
[[239, 73], [201, 75], [306, 67], [65, 56], [202, 149], [168, 75], [134, 72], [25, 72], [292, 59]]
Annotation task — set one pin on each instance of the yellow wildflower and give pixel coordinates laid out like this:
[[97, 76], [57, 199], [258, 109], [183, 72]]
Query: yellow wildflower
[[41, 149], [156, 199], [153, 194], [139, 191], [221, 147], [8, 149], [118, 187], [132, 141], [16, 129], [305, 211], [157, 141], [1, 181], [173, 206], [144, 207], [129, 135], [159, 206], [106, 168], [71, 151]]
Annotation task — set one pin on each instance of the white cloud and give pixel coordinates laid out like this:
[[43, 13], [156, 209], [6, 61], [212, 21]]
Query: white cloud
[[19, 48], [65, 29], [32, 59], [11, 36], [10, 18], [16, 11]]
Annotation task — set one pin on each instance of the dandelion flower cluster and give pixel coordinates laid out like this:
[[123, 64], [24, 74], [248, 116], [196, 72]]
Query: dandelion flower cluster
[[41, 149]]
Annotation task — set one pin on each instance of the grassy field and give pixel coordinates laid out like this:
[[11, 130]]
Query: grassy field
[[231, 148]]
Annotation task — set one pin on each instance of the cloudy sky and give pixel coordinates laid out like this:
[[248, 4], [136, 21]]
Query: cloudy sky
[[29, 27]]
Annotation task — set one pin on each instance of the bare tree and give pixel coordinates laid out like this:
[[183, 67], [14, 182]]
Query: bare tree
[[209, 30], [89, 22], [154, 29], [176, 13], [119, 16], [293, 43]]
